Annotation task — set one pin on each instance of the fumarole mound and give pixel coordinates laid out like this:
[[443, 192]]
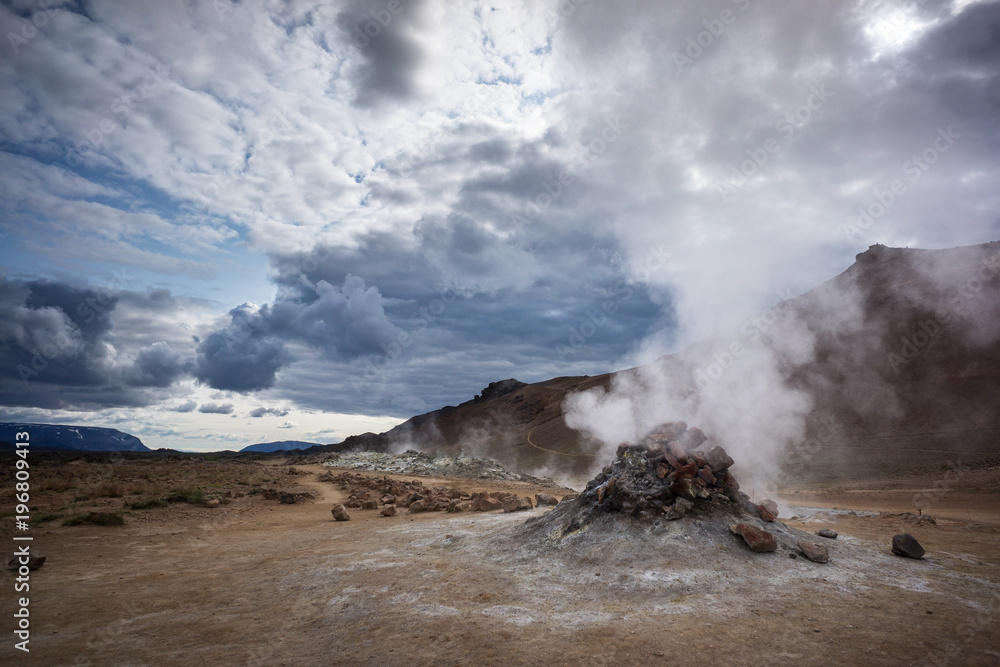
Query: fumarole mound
[[672, 486]]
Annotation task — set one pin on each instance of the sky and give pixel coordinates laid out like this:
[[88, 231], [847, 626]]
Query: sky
[[226, 223]]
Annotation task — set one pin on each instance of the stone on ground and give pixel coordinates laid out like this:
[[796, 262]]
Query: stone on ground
[[906, 545], [759, 541], [340, 513]]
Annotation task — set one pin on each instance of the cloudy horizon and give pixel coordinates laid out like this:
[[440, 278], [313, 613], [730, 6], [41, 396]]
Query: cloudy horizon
[[228, 223]]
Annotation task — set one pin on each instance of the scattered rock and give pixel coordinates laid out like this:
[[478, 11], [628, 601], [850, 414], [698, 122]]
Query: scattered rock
[[389, 510], [460, 506], [214, 502], [906, 545], [768, 510], [340, 513], [759, 541], [370, 504], [288, 499], [817, 553], [388, 499], [718, 460], [418, 506], [545, 500], [35, 561], [515, 504], [827, 533], [679, 509], [270, 494]]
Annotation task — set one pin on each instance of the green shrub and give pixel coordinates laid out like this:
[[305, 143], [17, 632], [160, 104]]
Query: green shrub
[[193, 496], [146, 504], [95, 518]]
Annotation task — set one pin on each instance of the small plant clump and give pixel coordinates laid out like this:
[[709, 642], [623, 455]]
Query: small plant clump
[[96, 519]]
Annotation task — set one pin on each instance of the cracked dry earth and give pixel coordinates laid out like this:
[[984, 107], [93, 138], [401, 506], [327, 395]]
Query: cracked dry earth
[[269, 584]]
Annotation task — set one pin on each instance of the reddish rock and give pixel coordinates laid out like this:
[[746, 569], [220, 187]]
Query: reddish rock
[[662, 470], [389, 510], [388, 499], [817, 553], [768, 510], [718, 459], [340, 513], [677, 450], [692, 438], [369, 504], [685, 471], [671, 460], [685, 488], [706, 474], [418, 506], [759, 541], [516, 504], [545, 500], [353, 504], [699, 459], [458, 505]]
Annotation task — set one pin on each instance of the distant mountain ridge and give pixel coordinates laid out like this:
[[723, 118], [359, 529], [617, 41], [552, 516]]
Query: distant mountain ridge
[[280, 446], [75, 438]]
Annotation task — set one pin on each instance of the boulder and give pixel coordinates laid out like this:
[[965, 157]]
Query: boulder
[[718, 460], [340, 513], [516, 504], [214, 502], [817, 553], [459, 506], [827, 533], [768, 510], [389, 510], [692, 438], [388, 499], [677, 450], [678, 510], [545, 500], [287, 499], [906, 545], [418, 506], [369, 504], [759, 541]]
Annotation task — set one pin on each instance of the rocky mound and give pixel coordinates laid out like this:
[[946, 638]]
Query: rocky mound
[[671, 485]]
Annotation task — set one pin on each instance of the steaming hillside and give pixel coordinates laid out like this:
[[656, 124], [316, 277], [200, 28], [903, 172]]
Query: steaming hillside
[[901, 351]]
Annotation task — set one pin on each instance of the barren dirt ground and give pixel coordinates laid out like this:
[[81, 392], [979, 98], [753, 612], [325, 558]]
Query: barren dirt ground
[[260, 583]]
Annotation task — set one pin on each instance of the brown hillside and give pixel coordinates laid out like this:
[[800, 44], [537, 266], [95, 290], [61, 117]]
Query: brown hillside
[[898, 354]]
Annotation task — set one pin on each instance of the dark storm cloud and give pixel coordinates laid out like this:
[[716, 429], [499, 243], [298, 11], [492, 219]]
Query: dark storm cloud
[[390, 55], [61, 346], [242, 357], [156, 366]]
